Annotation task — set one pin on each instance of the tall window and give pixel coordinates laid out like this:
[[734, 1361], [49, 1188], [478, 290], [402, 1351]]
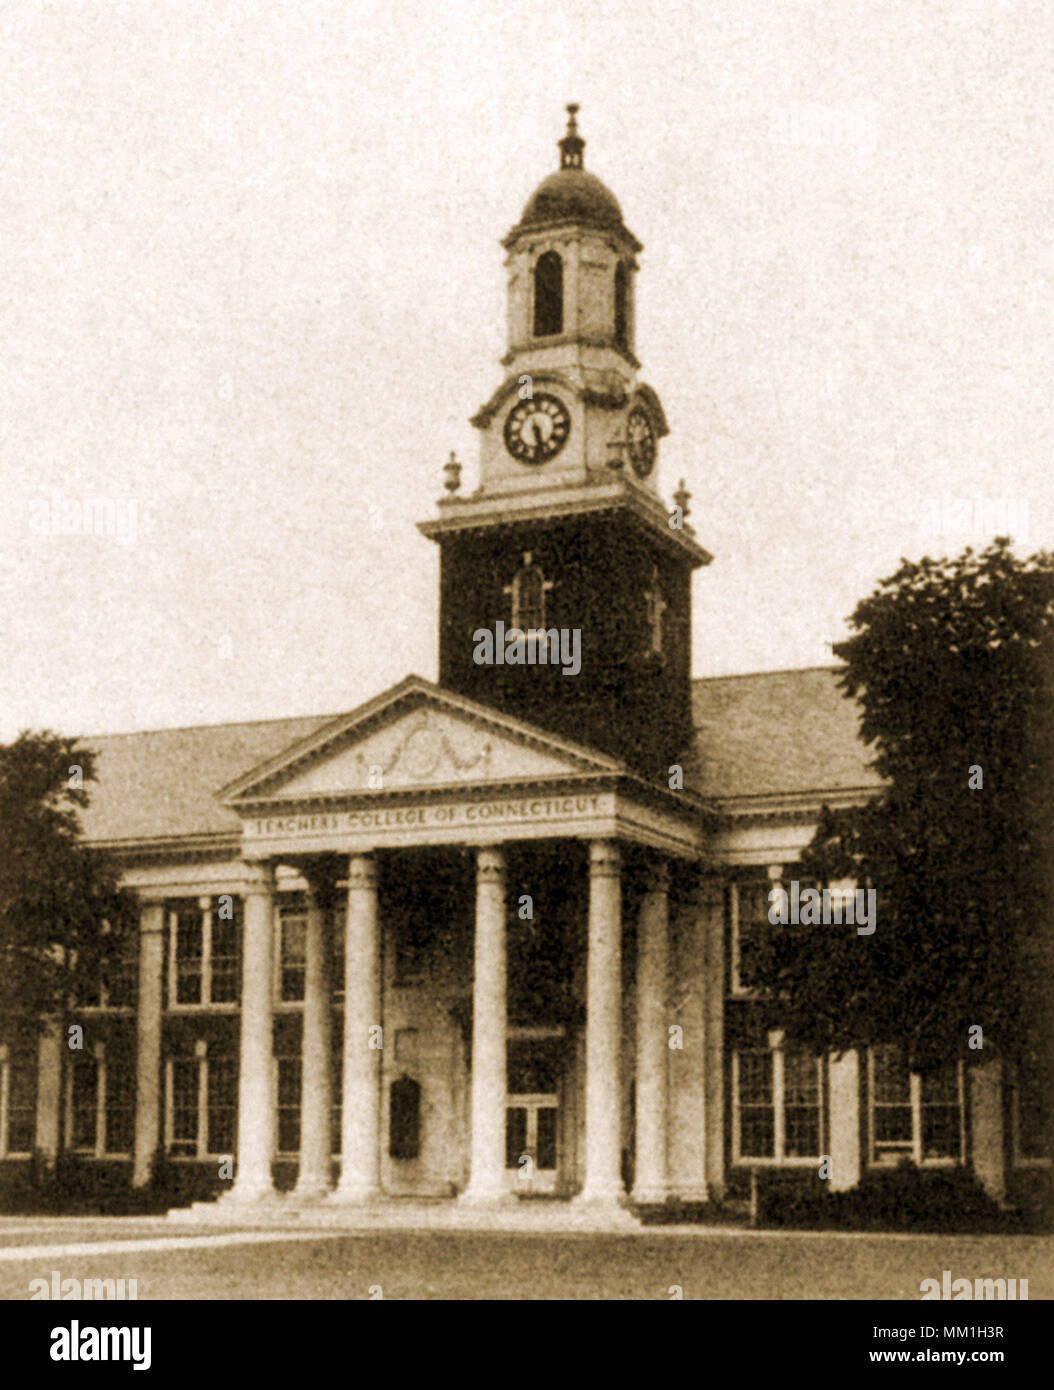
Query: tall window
[[205, 951], [113, 987], [336, 1081], [292, 959], [84, 1103], [914, 1115], [528, 591], [548, 295], [1033, 1132], [750, 925], [622, 305], [101, 1102], [225, 944], [119, 1105], [184, 1076], [18, 1101], [289, 1096], [201, 1102], [777, 1105]]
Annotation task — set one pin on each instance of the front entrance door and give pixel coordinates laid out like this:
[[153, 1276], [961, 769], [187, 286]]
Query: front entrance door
[[532, 1113]]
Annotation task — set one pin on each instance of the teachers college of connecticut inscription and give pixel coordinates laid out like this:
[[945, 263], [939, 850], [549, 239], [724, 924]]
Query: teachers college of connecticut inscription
[[515, 811]]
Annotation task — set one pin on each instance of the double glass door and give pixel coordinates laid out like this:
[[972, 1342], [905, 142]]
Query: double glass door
[[532, 1114]]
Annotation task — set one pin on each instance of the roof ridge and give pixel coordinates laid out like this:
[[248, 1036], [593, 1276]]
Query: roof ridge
[[776, 671], [337, 714], [222, 724]]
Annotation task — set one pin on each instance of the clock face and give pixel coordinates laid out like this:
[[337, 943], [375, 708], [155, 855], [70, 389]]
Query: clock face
[[537, 429], [641, 442]]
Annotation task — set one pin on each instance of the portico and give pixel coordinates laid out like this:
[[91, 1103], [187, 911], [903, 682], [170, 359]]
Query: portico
[[531, 1054]]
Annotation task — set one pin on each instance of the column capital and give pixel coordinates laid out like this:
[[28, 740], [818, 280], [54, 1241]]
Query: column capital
[[151, 918], [362, 872], [490, 863], [259, 877], [657, 876], [605, 859]]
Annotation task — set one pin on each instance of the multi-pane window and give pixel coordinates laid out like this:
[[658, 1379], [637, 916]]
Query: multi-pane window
[[18, 1101], [777, 1105], [335, 921], [225, 944], [292, 959], [202, 1103], [221, 1093], [189, 933], [113, 986], [119, 1105], [1033, 1131], [336, 1073], [914, 1115], [750, 924], [84, 1102], [205, 951], [289, 1094], [528, 591], [184, 1078], [101, 1102]]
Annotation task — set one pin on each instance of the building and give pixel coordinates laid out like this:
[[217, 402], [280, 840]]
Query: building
[[491, 938]]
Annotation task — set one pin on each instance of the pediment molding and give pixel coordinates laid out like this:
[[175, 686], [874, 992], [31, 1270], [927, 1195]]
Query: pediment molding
[[416, 737]]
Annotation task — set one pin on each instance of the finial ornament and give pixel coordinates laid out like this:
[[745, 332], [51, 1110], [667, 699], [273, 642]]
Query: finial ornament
[[452, 473], [681, 498], [572, 145]]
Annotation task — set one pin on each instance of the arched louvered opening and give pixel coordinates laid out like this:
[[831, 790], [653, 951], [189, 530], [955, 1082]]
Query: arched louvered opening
[[548, 295]]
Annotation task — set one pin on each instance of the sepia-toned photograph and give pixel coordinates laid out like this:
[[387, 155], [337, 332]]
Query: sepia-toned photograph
[[527, 668]]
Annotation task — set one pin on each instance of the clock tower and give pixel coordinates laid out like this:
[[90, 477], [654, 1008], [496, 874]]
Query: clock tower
[[566, 536]]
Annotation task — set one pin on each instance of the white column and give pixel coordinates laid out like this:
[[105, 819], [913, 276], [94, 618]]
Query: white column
[[49, 1071], [603, 1182], [360, 1172], [487, 1171], [715, 989], [649, 1180], [256, 1101], [986, 1124], [148, 1041], [844, 1073], [314, 1176]]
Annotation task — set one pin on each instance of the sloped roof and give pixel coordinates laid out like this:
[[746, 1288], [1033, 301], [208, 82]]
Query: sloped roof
[[773, 732]]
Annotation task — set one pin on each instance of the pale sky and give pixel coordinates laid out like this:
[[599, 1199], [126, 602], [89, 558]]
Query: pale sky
[[252, 288]]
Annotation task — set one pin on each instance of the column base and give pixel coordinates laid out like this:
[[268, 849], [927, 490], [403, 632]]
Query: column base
[[650, 1196], [603, 1212], [312, 1191], [252, 1194], [354, 1196], [487, 1198]]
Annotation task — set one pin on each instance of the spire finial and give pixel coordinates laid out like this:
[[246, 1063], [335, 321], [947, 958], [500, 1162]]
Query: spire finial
[[572, 145]]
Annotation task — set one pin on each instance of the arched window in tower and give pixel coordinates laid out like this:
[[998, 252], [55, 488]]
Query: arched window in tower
[[622, 305], [528, 592], [654, 607], [548, 295]]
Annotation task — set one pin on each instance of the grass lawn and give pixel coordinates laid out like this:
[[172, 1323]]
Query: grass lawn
[[448, 1265]]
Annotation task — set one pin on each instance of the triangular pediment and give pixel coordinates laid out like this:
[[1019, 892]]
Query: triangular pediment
[[415, 736]]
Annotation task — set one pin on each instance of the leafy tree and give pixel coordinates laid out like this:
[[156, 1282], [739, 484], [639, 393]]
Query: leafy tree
[[63, 916], [952, 662]]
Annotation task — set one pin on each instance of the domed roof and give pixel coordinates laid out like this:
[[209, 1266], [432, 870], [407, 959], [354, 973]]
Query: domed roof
[[571, 194]]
